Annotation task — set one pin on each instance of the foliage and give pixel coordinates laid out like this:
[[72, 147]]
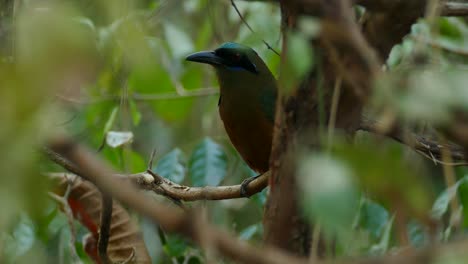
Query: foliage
[[112, 74]]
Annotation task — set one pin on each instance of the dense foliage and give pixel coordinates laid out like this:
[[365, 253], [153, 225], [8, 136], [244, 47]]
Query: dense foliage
[[112, 74]]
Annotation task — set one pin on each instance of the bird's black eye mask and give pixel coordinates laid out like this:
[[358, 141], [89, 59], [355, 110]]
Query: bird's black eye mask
[[235, 61]]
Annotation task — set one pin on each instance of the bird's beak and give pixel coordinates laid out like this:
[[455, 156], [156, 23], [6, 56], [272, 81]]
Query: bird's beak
[[208, 57]]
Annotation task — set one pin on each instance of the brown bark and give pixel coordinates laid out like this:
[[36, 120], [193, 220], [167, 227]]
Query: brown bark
[[343, 52]]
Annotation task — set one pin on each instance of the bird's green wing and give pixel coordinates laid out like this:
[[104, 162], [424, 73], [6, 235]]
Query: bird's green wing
[[268, 103]]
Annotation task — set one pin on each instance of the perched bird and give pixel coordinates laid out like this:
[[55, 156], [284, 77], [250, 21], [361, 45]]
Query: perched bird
[[247, 99]]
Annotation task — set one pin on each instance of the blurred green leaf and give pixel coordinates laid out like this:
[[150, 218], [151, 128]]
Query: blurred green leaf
[[207, 164], [449, 29], [384, 243], [87, 22], [417, 235], [463, 195], [384, 174], [373, 217], [442, 202], [299, 60], [175, 246], [249, 232], [137, 162], [110, 121], [20, 241], [179, 42], [172, 166], [329, 195], [441, 205], [400, 52], [194, 260], [136, 114]]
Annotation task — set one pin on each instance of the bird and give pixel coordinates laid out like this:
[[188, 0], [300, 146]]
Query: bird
[[248, 92]]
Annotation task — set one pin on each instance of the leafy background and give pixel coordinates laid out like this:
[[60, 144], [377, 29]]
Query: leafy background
[[113, 74]]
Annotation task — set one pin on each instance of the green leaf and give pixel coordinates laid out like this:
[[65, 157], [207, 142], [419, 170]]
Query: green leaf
[[111, 120], [417, 234], [20, 241], [463, 194], [137, 162], [384, 243], [329, 195], [154, 79], [441, 204], [383, 172], [208, 164], [450, 29], [179, 41], [172, 166], [249, 232], [136, 114], [299, 60], [373, 217], [175, 246], [86, 22]]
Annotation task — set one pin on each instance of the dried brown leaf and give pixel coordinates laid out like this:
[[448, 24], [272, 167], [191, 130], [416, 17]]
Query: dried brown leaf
[[125, 238]]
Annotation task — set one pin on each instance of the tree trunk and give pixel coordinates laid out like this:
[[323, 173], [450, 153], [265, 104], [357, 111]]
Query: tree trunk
[[343, 54]]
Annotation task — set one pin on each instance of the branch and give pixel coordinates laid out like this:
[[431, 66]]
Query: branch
[[250, 28], [448, 8], [454, 9], [423, 145], [104, 229], [171, 219], [202, 92], [151, 181], [62, 201]]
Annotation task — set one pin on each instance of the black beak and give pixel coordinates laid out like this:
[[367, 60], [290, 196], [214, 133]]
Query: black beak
[[208, 57]]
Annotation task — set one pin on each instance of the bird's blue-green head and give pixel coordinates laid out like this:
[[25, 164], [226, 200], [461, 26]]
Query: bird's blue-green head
[[232, 57]]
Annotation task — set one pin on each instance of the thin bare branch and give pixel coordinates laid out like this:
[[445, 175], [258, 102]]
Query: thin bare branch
[[250, 28], [428, 147], [153, 182], [62, 200], [145, 97], [454, 9], [104, 228]]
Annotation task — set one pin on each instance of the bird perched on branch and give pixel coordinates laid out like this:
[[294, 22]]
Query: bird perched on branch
[[247, 100]]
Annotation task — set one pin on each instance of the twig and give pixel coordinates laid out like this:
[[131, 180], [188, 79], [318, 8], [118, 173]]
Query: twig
[[250, 28], [430, 148], [150, 162], [104, 229], [334, 109], [450, 181], [144, 97], [315, 243], [68, 213], [435, 44], [454, 9]]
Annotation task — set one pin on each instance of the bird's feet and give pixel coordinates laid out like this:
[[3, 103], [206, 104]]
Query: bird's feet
[[245, 183]]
